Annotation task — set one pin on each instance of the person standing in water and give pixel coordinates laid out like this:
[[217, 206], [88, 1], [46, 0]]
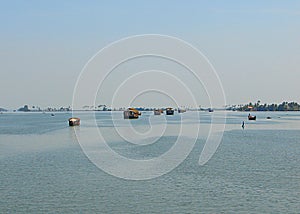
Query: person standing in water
[[243, 125]]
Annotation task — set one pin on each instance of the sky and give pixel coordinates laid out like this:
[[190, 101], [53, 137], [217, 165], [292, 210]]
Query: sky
[[254, 46]]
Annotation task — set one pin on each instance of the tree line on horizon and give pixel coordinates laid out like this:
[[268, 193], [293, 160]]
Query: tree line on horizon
[[257, 106]]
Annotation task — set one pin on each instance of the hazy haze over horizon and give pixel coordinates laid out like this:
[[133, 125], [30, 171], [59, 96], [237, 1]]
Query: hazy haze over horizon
[[253, 46]]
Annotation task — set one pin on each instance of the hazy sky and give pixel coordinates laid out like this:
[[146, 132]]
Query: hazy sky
[[253, 45]]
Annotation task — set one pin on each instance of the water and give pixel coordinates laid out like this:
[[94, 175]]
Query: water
[[256, 170]]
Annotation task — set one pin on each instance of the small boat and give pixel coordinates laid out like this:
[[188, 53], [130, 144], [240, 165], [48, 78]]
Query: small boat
[[169, 111], [52, 115], [210, 110], [131, 113], [181, 110], [158, 111], [250, 117], [74, 121], [269, 118]]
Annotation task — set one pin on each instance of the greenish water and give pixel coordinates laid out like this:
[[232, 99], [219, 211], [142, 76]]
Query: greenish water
[[256, 170]]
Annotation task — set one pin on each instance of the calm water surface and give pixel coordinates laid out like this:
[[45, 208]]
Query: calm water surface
[[256, 170]]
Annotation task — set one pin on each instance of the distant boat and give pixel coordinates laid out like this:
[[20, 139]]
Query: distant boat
[[131, 113], [158, 111], [181, 110], [52, 115], [210, 110], [250, 117], [269, 118], [169, 111], [74, 121]]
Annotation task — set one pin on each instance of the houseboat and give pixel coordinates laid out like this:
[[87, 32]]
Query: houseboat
[[181, 110], [169, 111], [158, 111], [131, 113], [74, 121]]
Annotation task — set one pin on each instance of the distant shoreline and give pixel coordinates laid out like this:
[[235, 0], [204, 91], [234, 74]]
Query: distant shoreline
[[250, 107]]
